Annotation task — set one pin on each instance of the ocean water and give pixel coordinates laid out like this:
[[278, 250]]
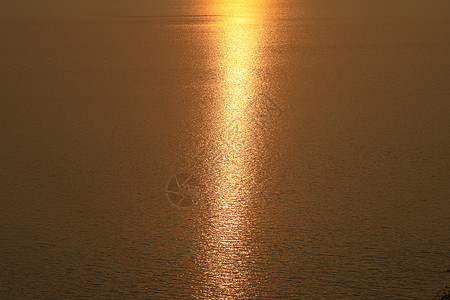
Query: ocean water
[[312, 138]]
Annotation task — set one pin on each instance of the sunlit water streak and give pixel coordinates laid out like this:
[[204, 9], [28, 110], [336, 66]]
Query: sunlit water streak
[[228, 254]]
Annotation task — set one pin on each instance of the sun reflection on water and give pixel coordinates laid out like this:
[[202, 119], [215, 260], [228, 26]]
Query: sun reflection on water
[[228, 252]]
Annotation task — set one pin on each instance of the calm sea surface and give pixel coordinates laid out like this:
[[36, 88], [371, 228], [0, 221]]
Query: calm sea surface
[[313, 143]]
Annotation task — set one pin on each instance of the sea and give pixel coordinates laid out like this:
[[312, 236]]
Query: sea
[[242, 149]]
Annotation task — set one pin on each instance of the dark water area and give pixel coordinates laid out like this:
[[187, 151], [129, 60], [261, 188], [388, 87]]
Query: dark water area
[[316, 139]]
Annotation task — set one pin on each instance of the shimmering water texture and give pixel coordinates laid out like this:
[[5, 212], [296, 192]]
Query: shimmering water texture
[[228, 146], [238, 149]]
